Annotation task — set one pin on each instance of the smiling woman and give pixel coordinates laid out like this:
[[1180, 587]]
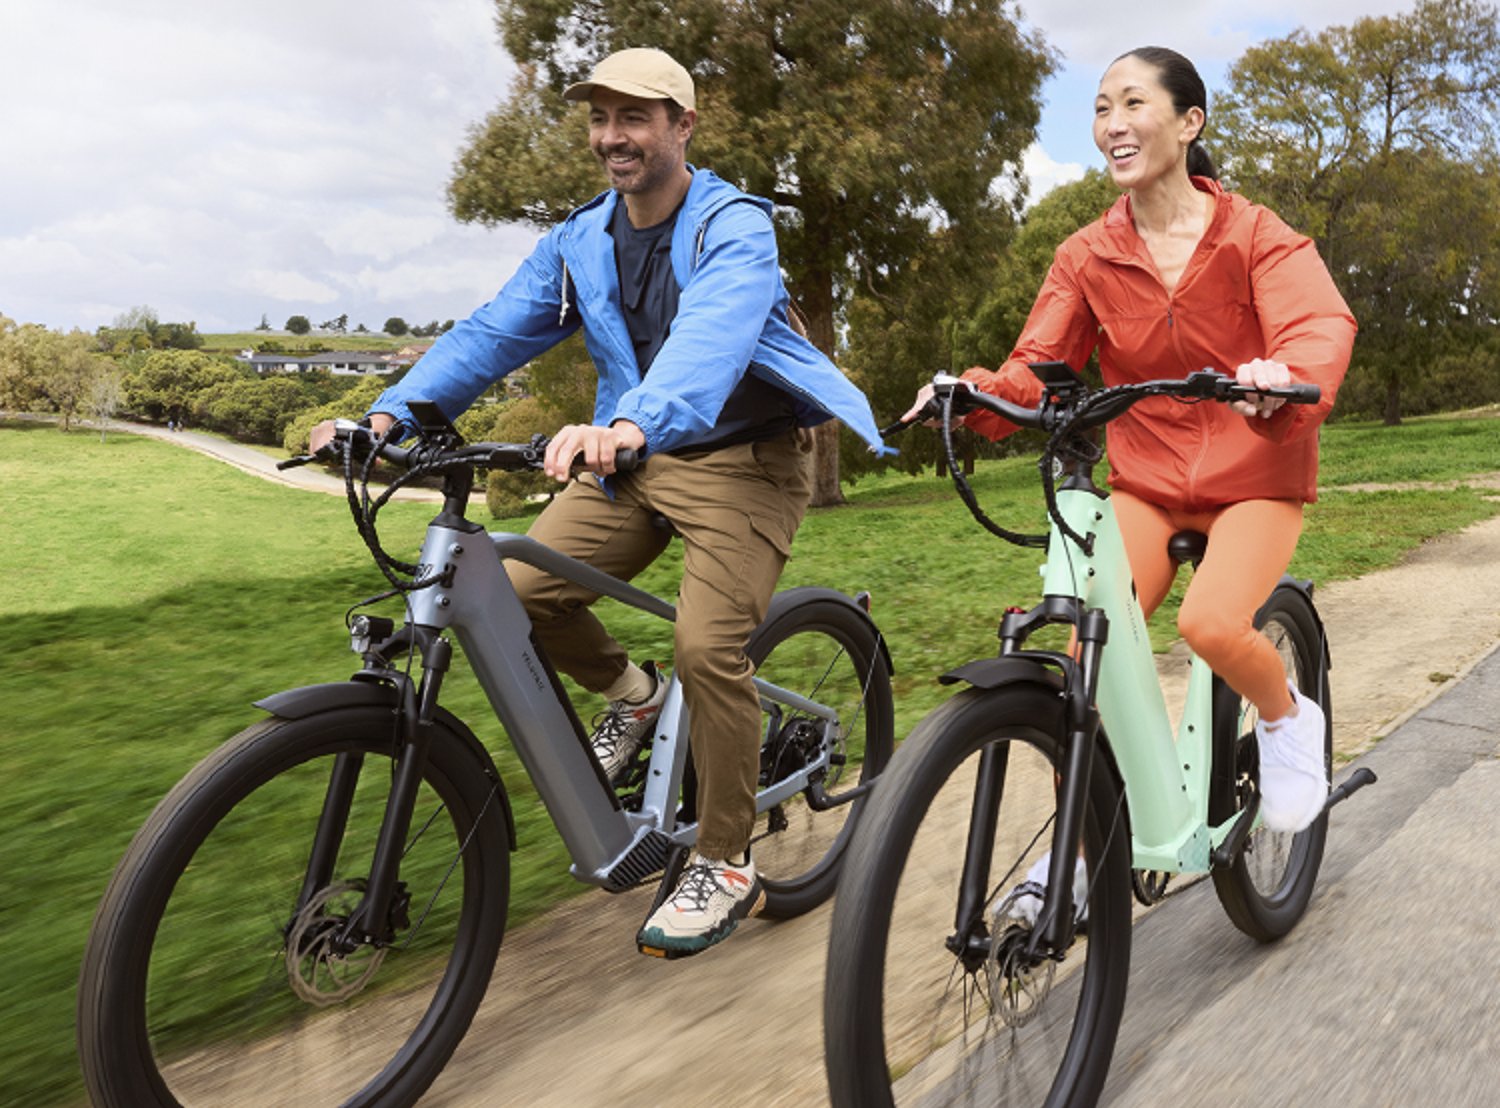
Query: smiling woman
[[1179, 276]]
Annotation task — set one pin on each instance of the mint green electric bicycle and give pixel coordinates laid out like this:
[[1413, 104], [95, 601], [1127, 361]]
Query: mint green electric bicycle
[[939, 991]]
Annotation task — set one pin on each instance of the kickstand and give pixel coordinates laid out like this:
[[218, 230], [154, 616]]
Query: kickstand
[[677, 859]]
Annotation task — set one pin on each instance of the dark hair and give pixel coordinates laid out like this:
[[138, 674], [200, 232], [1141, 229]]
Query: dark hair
[[1180, 78]]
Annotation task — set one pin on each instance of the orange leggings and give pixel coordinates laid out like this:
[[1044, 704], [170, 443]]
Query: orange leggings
[[1250, 545]]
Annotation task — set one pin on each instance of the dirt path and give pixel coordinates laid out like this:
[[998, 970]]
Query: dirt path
[[575, 1017]]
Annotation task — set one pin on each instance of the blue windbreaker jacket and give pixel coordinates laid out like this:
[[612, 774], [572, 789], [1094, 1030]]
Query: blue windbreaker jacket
[[731, 319]]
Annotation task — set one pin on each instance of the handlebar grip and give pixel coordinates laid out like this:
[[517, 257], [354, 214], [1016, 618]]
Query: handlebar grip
[[626, 459], [1303, 394]]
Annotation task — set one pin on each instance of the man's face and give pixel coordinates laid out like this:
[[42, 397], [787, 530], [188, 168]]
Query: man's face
[[637, 143]]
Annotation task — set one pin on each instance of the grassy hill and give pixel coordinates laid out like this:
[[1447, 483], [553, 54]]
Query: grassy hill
[[153, 594]]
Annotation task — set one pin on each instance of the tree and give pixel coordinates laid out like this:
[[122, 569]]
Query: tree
[[68, 368], [20, 352], [338, 324], [395, 326], [164, 384], [105, 393], [298, 325], [361, 329], [250, 408], [264, 324], [508, 493], [348, 404], [48, 370], [869, 123], [941, 315], [140, 329], [1343, 131]]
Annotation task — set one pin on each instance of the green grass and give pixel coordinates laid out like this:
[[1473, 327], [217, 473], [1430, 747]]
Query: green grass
[[1427, 449], [152, 594], [241, 340]]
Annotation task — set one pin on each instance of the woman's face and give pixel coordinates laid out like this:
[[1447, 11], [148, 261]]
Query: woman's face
[[1137, 128]]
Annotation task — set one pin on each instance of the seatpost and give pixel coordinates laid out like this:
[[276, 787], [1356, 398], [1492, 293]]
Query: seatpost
[[1056, 926]]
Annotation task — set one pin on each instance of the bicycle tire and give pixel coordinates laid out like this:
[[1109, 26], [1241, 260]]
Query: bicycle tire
[[1266, 889], [187, 953], [895, 915], [828, 651]]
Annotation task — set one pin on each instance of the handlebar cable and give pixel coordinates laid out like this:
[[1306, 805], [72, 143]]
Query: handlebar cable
[[966, 493]]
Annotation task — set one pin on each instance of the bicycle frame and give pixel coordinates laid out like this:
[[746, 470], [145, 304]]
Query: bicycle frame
[[1166, 782], [610, 847]]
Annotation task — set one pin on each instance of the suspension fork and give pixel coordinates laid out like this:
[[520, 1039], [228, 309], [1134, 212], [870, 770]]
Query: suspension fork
[[989, 786], [371, 919], [1054, 930]]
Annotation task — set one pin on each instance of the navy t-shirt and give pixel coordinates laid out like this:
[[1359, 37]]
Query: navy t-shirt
[[756, 409]]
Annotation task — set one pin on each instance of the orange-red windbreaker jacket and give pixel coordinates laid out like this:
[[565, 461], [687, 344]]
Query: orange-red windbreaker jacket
[[1253, 288]]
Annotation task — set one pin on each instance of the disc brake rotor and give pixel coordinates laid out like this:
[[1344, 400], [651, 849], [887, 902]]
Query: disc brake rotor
[[318, 967], [1018, 985]]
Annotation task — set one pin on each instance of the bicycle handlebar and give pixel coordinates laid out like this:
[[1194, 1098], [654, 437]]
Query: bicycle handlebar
[[1100, 406], [439, 451], [508, 456], [1068, 409]]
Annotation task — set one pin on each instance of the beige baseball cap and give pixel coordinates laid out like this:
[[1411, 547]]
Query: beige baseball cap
[[649, 74]]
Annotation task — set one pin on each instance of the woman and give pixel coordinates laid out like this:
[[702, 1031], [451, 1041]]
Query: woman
[[1177, 276]]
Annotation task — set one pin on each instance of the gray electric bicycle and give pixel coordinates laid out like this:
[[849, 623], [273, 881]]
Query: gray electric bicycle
[[312, 915]]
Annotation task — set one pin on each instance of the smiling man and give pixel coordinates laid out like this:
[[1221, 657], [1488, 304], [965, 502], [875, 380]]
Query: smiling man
[[673, 276]]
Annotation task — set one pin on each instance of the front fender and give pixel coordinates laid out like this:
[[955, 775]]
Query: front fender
[[993, 673], [997, 672], [309, 700]]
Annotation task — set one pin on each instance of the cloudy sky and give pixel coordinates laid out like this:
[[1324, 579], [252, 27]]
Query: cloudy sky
[[219, 160]]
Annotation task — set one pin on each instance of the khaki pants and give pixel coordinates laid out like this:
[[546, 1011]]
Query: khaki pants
[[736, 510]]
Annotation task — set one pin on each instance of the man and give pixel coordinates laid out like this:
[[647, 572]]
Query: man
[[673, 276]]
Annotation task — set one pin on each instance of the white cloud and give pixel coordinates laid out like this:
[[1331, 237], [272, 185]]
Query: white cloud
[[216, 159], [374, 233], [1044, 174], [288, 287]]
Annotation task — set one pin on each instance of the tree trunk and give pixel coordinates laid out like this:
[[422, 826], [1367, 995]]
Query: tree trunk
[[817, 305], [1393, 401]]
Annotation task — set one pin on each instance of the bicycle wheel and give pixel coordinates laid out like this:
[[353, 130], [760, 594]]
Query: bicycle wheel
[[188, 993], [826, 651], [1266, 889], [927, 1001]]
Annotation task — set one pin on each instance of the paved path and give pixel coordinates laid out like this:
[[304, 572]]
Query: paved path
[[311, 477], [1388, 992]]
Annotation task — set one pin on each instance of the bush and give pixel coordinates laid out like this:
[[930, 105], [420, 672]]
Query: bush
[[298, 325], [348, 405]]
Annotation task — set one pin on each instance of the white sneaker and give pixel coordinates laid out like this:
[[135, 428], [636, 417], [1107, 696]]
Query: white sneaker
[[620, 730], [1024, 902], [710, 900], [1293, 773]]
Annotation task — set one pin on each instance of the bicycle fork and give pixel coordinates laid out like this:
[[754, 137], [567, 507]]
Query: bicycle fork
[[1054, 928], [382, 907]]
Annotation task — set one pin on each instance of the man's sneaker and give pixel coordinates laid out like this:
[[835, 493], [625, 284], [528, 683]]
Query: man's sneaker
[[1293, 773], [620, 729], [710, 900], [1024, 902]]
